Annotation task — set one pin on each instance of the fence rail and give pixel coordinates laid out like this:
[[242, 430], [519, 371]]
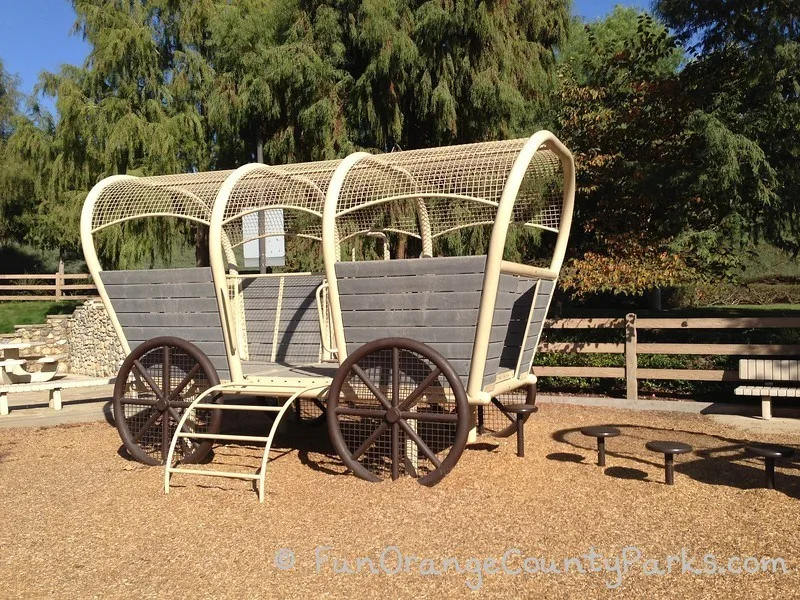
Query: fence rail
[[61, 288], [632, 349]]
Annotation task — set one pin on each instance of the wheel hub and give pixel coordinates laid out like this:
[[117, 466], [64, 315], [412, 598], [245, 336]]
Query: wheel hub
[[162, 404], [393, 415]]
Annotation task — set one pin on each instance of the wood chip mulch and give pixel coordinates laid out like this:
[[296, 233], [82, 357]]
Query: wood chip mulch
[[79, 520]]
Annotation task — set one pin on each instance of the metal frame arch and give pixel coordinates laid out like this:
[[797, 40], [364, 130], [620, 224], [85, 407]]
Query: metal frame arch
[[330, 245], [494, 258], [90, 252], [218, 267]]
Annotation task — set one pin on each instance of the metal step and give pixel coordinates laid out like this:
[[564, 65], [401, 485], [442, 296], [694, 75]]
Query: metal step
[[259, 408], [250, 476], [223, 436]]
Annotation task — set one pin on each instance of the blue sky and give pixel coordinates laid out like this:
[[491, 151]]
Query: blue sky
[[35, 34]]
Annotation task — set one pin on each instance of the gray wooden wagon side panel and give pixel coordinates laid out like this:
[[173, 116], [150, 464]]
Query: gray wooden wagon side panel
[[298, 340], [432, 300], [169, 302], [544, 295]]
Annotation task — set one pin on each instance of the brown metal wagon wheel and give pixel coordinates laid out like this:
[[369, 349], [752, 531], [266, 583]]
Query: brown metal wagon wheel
[[397, 405], [511, 427], [155, 384]]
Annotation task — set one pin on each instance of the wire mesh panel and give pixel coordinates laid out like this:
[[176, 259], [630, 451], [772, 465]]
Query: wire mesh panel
[[189, 195], [493, 420], [448, 188], [398, 409], [285, 200], [156, 384]]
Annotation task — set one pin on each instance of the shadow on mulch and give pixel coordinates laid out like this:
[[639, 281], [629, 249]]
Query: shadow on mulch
[[715, 460], [565, 457], [625, 473]]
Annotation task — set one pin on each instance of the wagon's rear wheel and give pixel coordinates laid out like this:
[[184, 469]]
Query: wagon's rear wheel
[[155, 385], [395, 407], [494, 420]]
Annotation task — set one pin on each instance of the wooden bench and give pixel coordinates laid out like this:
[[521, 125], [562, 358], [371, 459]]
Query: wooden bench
[[54, 387], [769, 371]]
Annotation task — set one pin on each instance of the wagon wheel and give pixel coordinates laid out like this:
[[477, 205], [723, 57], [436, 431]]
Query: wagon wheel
[[155, 384], [496, 421], [396, 405]]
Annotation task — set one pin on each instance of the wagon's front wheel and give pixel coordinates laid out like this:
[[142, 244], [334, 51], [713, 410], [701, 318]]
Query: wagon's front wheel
[[155, 385], [396, 406]]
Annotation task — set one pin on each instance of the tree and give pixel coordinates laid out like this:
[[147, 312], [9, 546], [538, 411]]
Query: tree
[[16, 177], [747, 70], [667, 191]]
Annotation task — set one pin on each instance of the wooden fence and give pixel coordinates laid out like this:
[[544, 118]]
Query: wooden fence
[[60, 286], [632, 348]]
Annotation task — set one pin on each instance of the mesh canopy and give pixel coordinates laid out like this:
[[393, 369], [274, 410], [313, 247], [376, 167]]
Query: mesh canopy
[[278, 200], [447, 188], [189, 196]]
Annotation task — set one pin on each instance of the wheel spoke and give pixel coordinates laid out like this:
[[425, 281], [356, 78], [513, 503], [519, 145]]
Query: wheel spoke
[[139, 401], [148, 379], [174, 414], [395, 449], [189, 376], [147, 425], [165, 371], [371, 387], [165, 440], [412, 397], [361, 412], [422, 445], [427, 417], [371, 440], [503, 410]]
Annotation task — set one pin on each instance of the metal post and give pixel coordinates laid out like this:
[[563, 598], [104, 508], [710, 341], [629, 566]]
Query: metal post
[[631, 382], [262, 218], [60, 280]]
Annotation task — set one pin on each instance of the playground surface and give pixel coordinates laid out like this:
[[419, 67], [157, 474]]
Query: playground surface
[[79, 520]]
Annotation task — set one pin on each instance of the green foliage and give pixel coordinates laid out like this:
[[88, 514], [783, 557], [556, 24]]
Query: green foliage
[[27, 313], [667, 192], [747, 73], [181, 85]]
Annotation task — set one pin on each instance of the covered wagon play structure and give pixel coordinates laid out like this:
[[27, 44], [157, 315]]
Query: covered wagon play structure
[[401, 356]]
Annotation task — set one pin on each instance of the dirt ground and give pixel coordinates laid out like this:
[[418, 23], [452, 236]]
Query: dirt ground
[[78, 520]]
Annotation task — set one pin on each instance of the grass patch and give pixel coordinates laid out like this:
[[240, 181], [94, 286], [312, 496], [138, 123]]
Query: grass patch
[[27, 313]]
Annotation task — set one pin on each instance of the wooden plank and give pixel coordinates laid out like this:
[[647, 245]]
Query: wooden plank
[[432, 301], [413, 318], [689, 374], [615, 372], [88, 286], [414, 266], [164, 305], [27, 288], [585, 323], [583, 347], [428, 335], [157, 276], [6, 277], [191, 334], [212, 349], [169, 320], [439, 284], [22, 298], [162, 291], [720, 349], [720, 323]]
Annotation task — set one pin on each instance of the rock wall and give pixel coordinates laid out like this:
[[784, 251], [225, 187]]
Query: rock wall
[[86, 337], [93, 346]]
